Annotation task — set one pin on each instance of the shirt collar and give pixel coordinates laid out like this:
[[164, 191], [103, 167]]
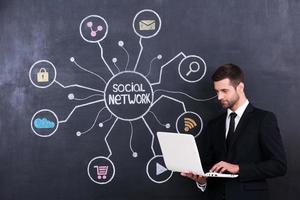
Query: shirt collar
[[240, 110]]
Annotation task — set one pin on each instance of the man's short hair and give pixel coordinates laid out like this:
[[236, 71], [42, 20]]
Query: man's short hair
[[230, 71]]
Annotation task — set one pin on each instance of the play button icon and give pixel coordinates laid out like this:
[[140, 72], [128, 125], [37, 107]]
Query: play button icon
[[160, 169], [156, 170]]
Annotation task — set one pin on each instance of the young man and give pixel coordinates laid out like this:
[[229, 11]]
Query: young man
[[244, 140]]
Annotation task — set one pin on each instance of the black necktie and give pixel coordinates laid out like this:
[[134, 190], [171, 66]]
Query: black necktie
[[230, 130]]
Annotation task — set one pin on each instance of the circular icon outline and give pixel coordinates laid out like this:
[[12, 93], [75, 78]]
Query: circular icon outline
[[187, 57], [113, 167], [147, 170], [30, 71], [135, 17], [55, 116], [91, 41], [177, 129]]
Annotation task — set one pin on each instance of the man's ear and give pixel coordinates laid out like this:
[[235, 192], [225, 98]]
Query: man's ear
[[241, 87]]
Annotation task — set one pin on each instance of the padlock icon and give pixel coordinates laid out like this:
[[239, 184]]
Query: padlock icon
[[42, 76]]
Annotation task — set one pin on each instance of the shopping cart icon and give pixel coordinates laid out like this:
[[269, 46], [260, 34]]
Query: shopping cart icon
[[101, 171]]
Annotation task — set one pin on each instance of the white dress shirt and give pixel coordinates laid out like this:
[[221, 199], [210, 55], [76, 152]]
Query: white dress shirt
[[240, 111]]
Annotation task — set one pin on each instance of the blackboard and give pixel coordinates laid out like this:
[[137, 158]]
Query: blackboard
[[85, 85]]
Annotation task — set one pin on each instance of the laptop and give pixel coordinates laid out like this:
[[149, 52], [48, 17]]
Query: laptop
[[180, 154]]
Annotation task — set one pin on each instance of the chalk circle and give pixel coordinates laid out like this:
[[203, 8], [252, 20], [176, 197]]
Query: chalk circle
[[192, 68], [42, 66], [101, 170], [190, 120], [148, 15], [125, 110], [44, 114], [156, 170], [93, 28]]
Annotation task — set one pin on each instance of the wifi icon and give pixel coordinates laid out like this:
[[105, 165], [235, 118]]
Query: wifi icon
[[189, 124]]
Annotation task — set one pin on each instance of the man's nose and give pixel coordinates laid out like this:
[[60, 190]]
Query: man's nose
[[220, 97]]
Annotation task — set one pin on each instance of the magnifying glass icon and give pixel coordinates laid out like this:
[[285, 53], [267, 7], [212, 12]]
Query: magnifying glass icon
[[193, 67]]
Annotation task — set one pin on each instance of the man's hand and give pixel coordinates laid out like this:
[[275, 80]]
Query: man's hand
[[200, 179], [222, 167]]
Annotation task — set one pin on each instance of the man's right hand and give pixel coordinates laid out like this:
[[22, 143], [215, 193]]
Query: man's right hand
[[198, 178]]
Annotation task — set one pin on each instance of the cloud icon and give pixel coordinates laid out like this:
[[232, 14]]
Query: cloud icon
[[43, 123]]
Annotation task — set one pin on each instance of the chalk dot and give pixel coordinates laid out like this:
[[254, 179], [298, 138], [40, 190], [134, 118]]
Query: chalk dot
[[99, 28], [114, 60], [159, 56], [121, 43], [71, 96], [100, 124], [89, 24], [72, 59], [168, 125], [78, 133], [93, 33], [135, 154]]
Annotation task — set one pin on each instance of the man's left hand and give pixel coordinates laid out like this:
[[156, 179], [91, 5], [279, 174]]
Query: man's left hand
[[223, 166]]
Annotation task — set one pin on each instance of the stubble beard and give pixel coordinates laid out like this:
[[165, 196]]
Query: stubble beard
[[230, 103]]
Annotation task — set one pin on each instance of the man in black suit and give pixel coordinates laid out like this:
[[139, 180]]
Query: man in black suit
[[244, 140]]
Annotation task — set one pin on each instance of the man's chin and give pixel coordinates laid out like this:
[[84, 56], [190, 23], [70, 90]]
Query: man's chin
[[224, 105]]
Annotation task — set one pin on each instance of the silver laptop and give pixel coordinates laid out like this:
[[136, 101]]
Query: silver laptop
[[181, 154]]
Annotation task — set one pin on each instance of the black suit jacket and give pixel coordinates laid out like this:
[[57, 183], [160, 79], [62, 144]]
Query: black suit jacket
[[256, 147]]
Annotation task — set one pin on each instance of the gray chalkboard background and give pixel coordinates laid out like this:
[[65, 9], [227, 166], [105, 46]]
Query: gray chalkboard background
[[262, 36]]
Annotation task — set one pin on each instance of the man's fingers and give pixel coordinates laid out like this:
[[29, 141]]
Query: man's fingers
[[216, 167], [183, 174], [222, 167], [195, 177], [223, 170], [219, 167], [188, 174]]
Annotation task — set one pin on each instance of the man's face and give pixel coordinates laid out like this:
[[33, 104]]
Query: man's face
[[227, 93]]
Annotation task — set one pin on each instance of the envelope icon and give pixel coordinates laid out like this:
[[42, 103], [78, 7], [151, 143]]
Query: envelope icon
[[147, 25]]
